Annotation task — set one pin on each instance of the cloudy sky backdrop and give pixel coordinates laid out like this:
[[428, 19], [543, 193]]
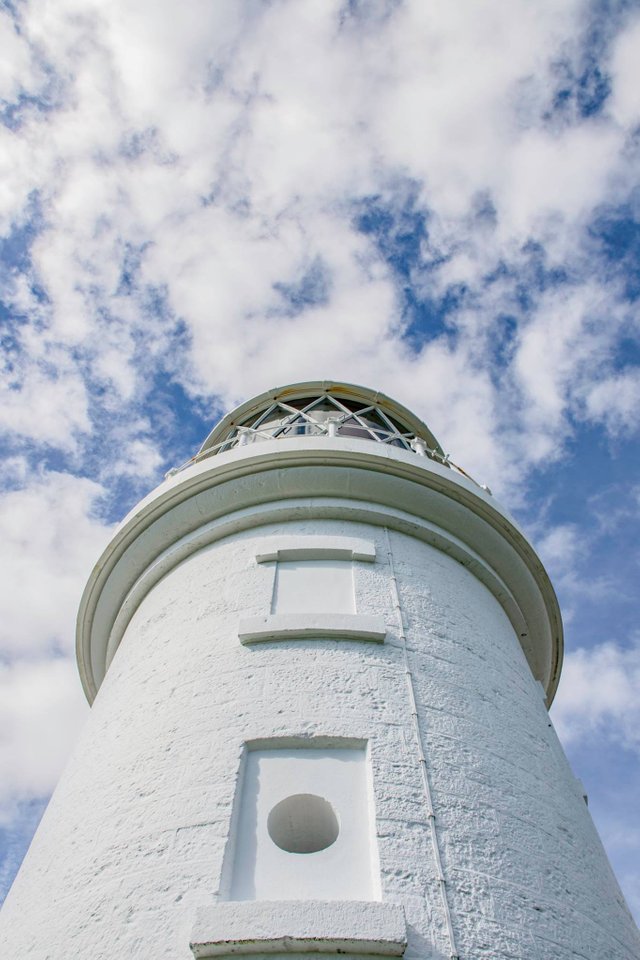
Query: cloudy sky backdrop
[[437, 199]]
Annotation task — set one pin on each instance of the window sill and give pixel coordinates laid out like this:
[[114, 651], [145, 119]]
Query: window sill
[[309, 626], [253, 927], [311, 547]]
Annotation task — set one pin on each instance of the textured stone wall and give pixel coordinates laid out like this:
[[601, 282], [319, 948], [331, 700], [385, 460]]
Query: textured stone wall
[[134, 840]]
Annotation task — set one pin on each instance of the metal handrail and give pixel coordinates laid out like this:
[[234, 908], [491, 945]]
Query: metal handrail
[[411, 442]]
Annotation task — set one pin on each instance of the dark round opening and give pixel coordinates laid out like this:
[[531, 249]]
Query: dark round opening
[[303, 823]]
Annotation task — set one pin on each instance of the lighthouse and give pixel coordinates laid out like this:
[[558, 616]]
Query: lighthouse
[[320, 659]]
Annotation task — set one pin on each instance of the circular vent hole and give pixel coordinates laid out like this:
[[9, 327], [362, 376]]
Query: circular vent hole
[[303, 823]]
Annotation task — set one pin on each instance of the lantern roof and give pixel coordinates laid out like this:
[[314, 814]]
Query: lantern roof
[[317, 408]]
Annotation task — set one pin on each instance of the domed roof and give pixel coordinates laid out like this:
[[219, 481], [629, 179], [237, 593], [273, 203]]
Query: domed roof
[[322, 407]]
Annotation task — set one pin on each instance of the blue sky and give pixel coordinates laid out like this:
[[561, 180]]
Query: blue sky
[[441, 201]]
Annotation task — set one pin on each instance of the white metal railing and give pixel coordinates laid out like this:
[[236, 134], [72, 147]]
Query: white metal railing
[[243, 435], [325, 415]]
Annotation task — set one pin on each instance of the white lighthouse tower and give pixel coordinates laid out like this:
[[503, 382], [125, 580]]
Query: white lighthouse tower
[[321, 658]]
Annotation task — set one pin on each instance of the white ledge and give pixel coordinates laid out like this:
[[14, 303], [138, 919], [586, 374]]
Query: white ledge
[[301, 626], [316, 548], [302, 926]]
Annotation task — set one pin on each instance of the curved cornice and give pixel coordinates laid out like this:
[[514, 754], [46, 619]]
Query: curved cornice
[[305, 476]]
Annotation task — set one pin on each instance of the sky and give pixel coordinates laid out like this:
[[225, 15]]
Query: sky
[[435, 199]]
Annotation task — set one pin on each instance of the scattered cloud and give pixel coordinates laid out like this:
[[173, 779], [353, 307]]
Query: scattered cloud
[[42, 710], [561, 548], [625, 73], [50, 542], [599, 694], [616, 402], [201, 187]]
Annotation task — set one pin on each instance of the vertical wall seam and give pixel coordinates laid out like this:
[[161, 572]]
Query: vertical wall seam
[[422, 760], [274, 580]]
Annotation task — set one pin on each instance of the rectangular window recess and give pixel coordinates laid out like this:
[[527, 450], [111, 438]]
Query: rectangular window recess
[[303, 626], [316, 548], [312, 926]]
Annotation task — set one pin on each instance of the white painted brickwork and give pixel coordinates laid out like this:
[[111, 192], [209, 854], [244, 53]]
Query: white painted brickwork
[[132, 846]]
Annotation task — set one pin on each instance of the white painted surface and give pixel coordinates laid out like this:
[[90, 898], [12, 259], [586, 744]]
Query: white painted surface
[[342, 871], [313, 586], [279, 481], [316, 548], [375, 929], [134, 840], [308, 626]]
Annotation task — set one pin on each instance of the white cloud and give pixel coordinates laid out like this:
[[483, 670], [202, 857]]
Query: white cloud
[[281, 117], [141, 459], [45, 406], [563, 353], [15, 62], [561, 547], [42, 709], [598, 694], [616, 401], [557, 173], [625, 72], [565, 550], [50, 542]]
